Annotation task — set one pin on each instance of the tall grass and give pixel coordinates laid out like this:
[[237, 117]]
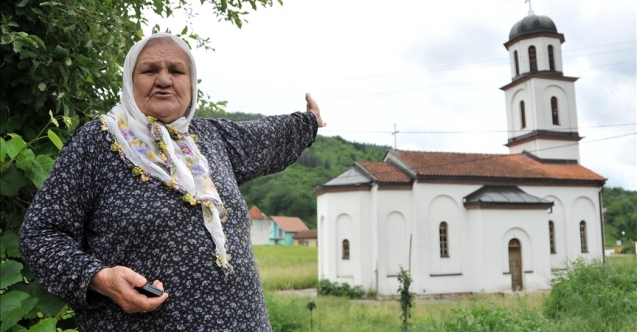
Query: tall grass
[[595, 297], [587, 298], [287, 267]]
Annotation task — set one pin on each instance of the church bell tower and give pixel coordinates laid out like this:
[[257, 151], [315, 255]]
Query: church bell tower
[[540, 100]]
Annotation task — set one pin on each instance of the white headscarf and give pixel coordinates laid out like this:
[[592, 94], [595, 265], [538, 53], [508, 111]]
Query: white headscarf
[[167, 152]]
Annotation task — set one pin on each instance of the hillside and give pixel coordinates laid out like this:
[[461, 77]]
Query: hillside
[[290, 192]]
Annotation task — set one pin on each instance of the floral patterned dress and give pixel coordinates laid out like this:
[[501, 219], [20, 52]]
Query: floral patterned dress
[[92, 212]]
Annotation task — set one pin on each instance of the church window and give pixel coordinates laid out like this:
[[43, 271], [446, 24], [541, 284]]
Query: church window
[[551, 58], [582, 236], [522, 114], [444, 240], [552, 236], [554, 111], [345, 249], [532, 58], [517, 64]]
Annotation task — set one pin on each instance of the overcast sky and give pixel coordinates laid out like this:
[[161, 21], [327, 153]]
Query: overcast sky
[[425, 66]]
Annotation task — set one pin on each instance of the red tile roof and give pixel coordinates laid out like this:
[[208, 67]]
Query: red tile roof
[[308, 234], [506, 166], [290, 224], [384, 172], [255, 213]]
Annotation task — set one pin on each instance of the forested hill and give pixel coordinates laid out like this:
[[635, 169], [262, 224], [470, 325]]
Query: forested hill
[[289, 193]]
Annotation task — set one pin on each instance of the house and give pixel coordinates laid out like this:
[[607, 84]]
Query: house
[[260, 227], [471, 222], [306, 238], [284, 229]]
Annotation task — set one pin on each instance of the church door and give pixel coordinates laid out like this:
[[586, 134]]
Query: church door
[[515, 264]]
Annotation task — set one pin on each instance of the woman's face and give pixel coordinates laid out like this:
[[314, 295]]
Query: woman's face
[[161, 81]]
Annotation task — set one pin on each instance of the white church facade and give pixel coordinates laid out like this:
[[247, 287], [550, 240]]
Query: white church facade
[[469, 223]]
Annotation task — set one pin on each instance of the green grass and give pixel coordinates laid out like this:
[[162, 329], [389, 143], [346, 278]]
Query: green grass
[[287, 267], [592, 298]]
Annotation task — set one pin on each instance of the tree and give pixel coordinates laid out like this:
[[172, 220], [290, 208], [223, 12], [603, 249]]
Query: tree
[[60, 66]]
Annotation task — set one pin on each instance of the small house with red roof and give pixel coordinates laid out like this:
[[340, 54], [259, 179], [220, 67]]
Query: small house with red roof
[[473, 222], [260, 227], [308, 238], [285, 228]]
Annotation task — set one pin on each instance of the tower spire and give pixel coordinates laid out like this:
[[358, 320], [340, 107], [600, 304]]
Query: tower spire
[[530, 9]]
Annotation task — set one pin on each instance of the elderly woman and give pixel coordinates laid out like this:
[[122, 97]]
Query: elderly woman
[[147, 194]]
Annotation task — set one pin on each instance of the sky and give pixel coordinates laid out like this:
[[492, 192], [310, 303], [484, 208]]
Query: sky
[[423, 67]]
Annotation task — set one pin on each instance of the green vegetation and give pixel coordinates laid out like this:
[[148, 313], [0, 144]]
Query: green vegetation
[[587, 298], [620, 216], [287, 267], [289, 193], [406, 297], [60, 68], [325, 287]]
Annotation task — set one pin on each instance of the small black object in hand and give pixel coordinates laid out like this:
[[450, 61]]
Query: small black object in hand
[[150, 291]]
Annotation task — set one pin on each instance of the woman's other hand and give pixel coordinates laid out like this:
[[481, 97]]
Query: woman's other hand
[[313, 108], [119, 282]]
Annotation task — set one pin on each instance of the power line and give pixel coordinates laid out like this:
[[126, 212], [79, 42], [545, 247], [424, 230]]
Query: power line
[[468, 132]]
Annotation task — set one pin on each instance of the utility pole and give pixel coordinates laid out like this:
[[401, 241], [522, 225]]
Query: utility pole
[[395, 133]]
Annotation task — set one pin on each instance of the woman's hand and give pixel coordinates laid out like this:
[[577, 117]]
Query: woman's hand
[[119, 284], [313, 108]]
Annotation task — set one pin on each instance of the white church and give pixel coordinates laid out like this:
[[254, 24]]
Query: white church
[[469, 223]]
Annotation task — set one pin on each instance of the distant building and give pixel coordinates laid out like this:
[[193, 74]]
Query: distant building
[[260, 227], [474, 222], [306, 238], [284, 229]]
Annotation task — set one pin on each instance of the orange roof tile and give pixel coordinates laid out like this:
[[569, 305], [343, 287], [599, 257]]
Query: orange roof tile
[[308, 234], [255, 213], [518, 166], [290, 224], [384, 172]]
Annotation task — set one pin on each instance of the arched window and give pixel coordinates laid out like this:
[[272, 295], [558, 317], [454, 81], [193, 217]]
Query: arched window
[[444, 240], [522, 114], [517, 64], [554, 111], [532, 58], [345, 249], [582, 236], [551, 58], [552, 236]]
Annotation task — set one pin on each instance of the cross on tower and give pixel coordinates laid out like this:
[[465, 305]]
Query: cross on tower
[[530, 9]]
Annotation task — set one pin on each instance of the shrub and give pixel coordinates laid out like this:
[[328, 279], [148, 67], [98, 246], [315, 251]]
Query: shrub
[[325, 287], [603, 297]]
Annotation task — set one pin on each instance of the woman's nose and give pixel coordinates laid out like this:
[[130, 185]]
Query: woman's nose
[[163, 79]]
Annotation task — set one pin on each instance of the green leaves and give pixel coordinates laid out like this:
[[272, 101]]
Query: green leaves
[[9, 241], [36, 168], [15, 304], [10, 274], [12, 147]]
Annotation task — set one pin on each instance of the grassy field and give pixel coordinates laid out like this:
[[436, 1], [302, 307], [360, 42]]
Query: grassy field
[[284, 267], [595, 298]]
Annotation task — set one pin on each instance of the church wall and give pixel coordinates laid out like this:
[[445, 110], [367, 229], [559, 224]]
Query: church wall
[[549, 149], [345, 215], [396, 223], [577, 204], [491, 231], [435, 203], [558, 259]]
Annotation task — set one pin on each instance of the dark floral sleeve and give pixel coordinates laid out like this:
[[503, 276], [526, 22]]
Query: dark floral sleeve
[[52, 236], [268, 145]]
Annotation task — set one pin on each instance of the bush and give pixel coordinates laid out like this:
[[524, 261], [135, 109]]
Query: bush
[[602, 297], [325, 287]]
